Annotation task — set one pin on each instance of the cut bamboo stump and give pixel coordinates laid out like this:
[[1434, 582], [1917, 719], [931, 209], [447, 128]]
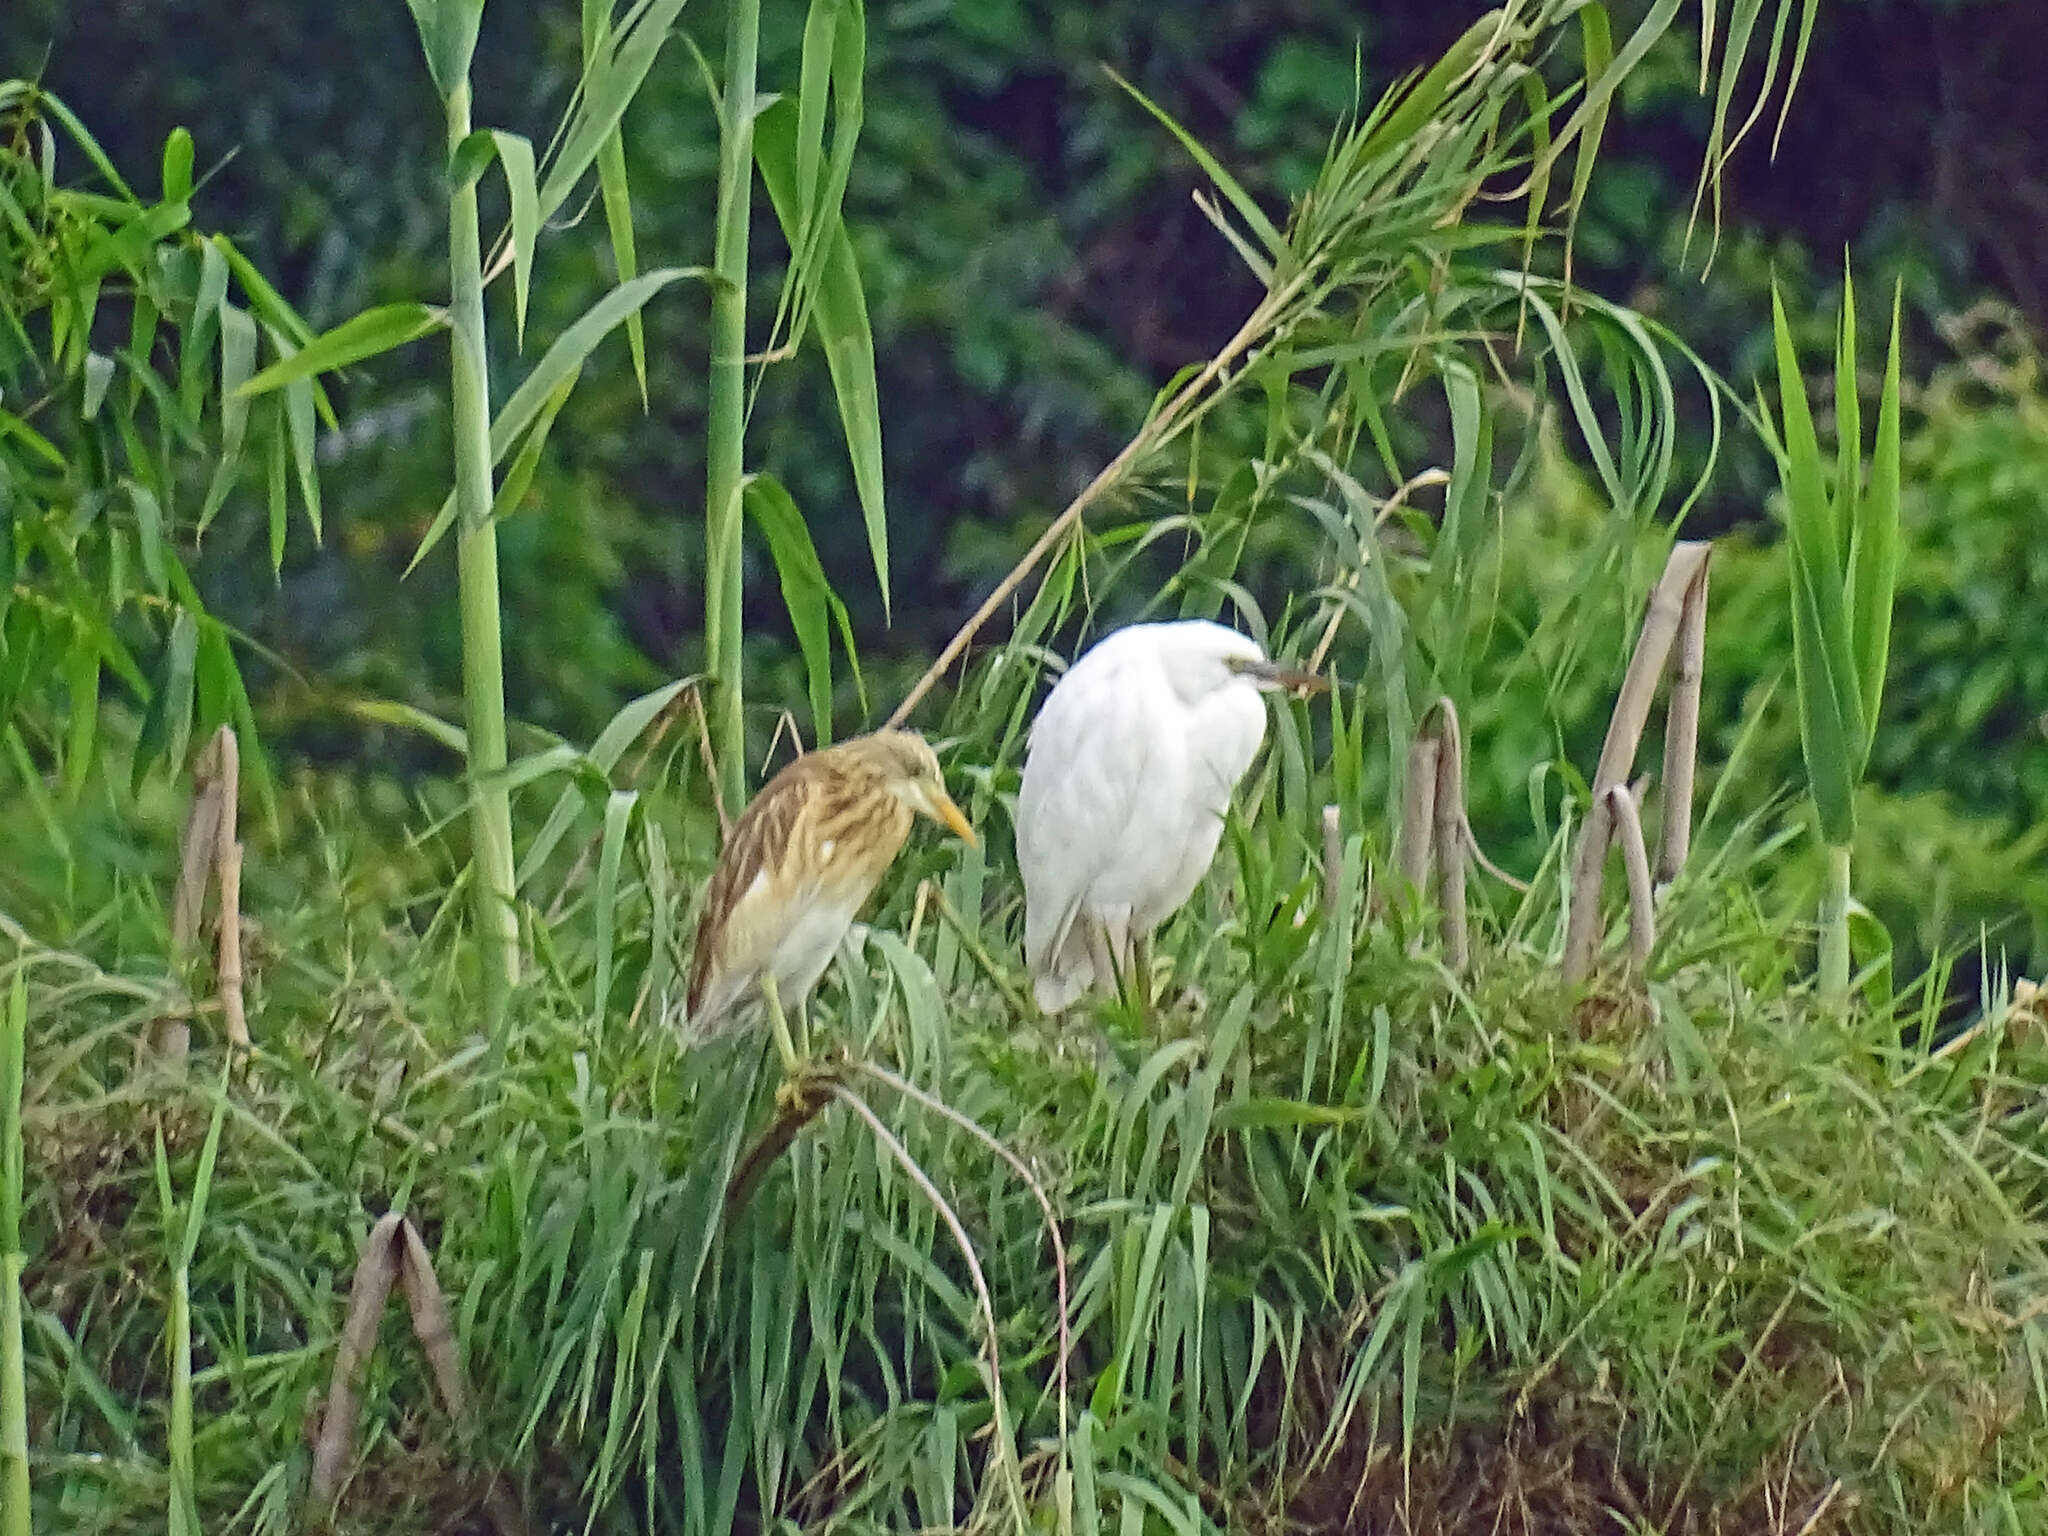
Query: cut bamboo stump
[[1677, 618]]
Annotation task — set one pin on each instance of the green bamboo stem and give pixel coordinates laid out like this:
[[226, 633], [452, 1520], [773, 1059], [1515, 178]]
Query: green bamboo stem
[[476, 563], [184, 1498], [14, 1519], [725, 452], [1834, 927], [13, 1403]]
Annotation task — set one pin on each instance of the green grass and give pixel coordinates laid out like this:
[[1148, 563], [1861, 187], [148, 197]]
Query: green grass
[[1345, 1231]]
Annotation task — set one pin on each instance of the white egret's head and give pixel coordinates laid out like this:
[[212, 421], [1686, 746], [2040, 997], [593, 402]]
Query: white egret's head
[[1200, 658]]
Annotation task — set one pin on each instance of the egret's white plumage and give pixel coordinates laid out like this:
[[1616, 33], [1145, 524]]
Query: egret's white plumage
[[1128, 771]]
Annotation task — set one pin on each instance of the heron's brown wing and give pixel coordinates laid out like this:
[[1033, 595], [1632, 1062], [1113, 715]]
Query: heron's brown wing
[[758, 842]]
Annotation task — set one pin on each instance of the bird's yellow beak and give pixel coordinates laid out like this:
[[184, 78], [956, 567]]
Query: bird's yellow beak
[[943, 809], [1277, 674]]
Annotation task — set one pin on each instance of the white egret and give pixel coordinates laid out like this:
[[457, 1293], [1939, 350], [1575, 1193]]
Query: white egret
[[1128, 771]]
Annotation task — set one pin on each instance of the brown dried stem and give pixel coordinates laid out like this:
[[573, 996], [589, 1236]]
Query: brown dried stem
[[394, 1252], [227, 763], [1635, 859], [209, 844], [1413, 847], [1682, 730], [1161, 428], [376, 1270], [1451, 835], [1618, 753]]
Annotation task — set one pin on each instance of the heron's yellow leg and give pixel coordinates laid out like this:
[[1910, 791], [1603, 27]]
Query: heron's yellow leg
[[778, 1026]]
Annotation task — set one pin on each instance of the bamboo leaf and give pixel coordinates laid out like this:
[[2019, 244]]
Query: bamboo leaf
[[167, 724], [613, 69], [1247, 208], [1874, 551], [237, 358], [447, 31], [618, 218], [619, 733], [572, 347], [383, 329], [805, 591], [1815, 542], [149, 530], [518, 479], [299, 409], [841, 315], [515, 154], [1596, 35], [1848, 426]]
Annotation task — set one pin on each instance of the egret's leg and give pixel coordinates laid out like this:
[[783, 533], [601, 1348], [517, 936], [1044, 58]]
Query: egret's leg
[[1099, 953], [1141, 964], [778, 1026]]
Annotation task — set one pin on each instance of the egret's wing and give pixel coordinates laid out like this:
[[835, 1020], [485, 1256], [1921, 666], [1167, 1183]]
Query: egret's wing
[[1085, 770]]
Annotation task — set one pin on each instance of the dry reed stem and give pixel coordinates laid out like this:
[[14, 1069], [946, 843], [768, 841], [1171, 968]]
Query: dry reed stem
[[209, 832], [1418, 812], [1635, 859], [1387, 509], [376, 1270], [1682, 730], [710, 761], [1451, 835], [433, 1324], [1022, 1170], [1005, 1445], [1618, 752], [393, 1253], [1158, 430], [228, 871]]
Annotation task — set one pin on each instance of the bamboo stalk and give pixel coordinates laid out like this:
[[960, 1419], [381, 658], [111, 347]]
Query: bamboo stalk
[[1618, 752], [725, 450], [1635, 859], [184, 1503], [14, 1484], [1450, 836], [1834, 927], [476, 566], [1682, 731]]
